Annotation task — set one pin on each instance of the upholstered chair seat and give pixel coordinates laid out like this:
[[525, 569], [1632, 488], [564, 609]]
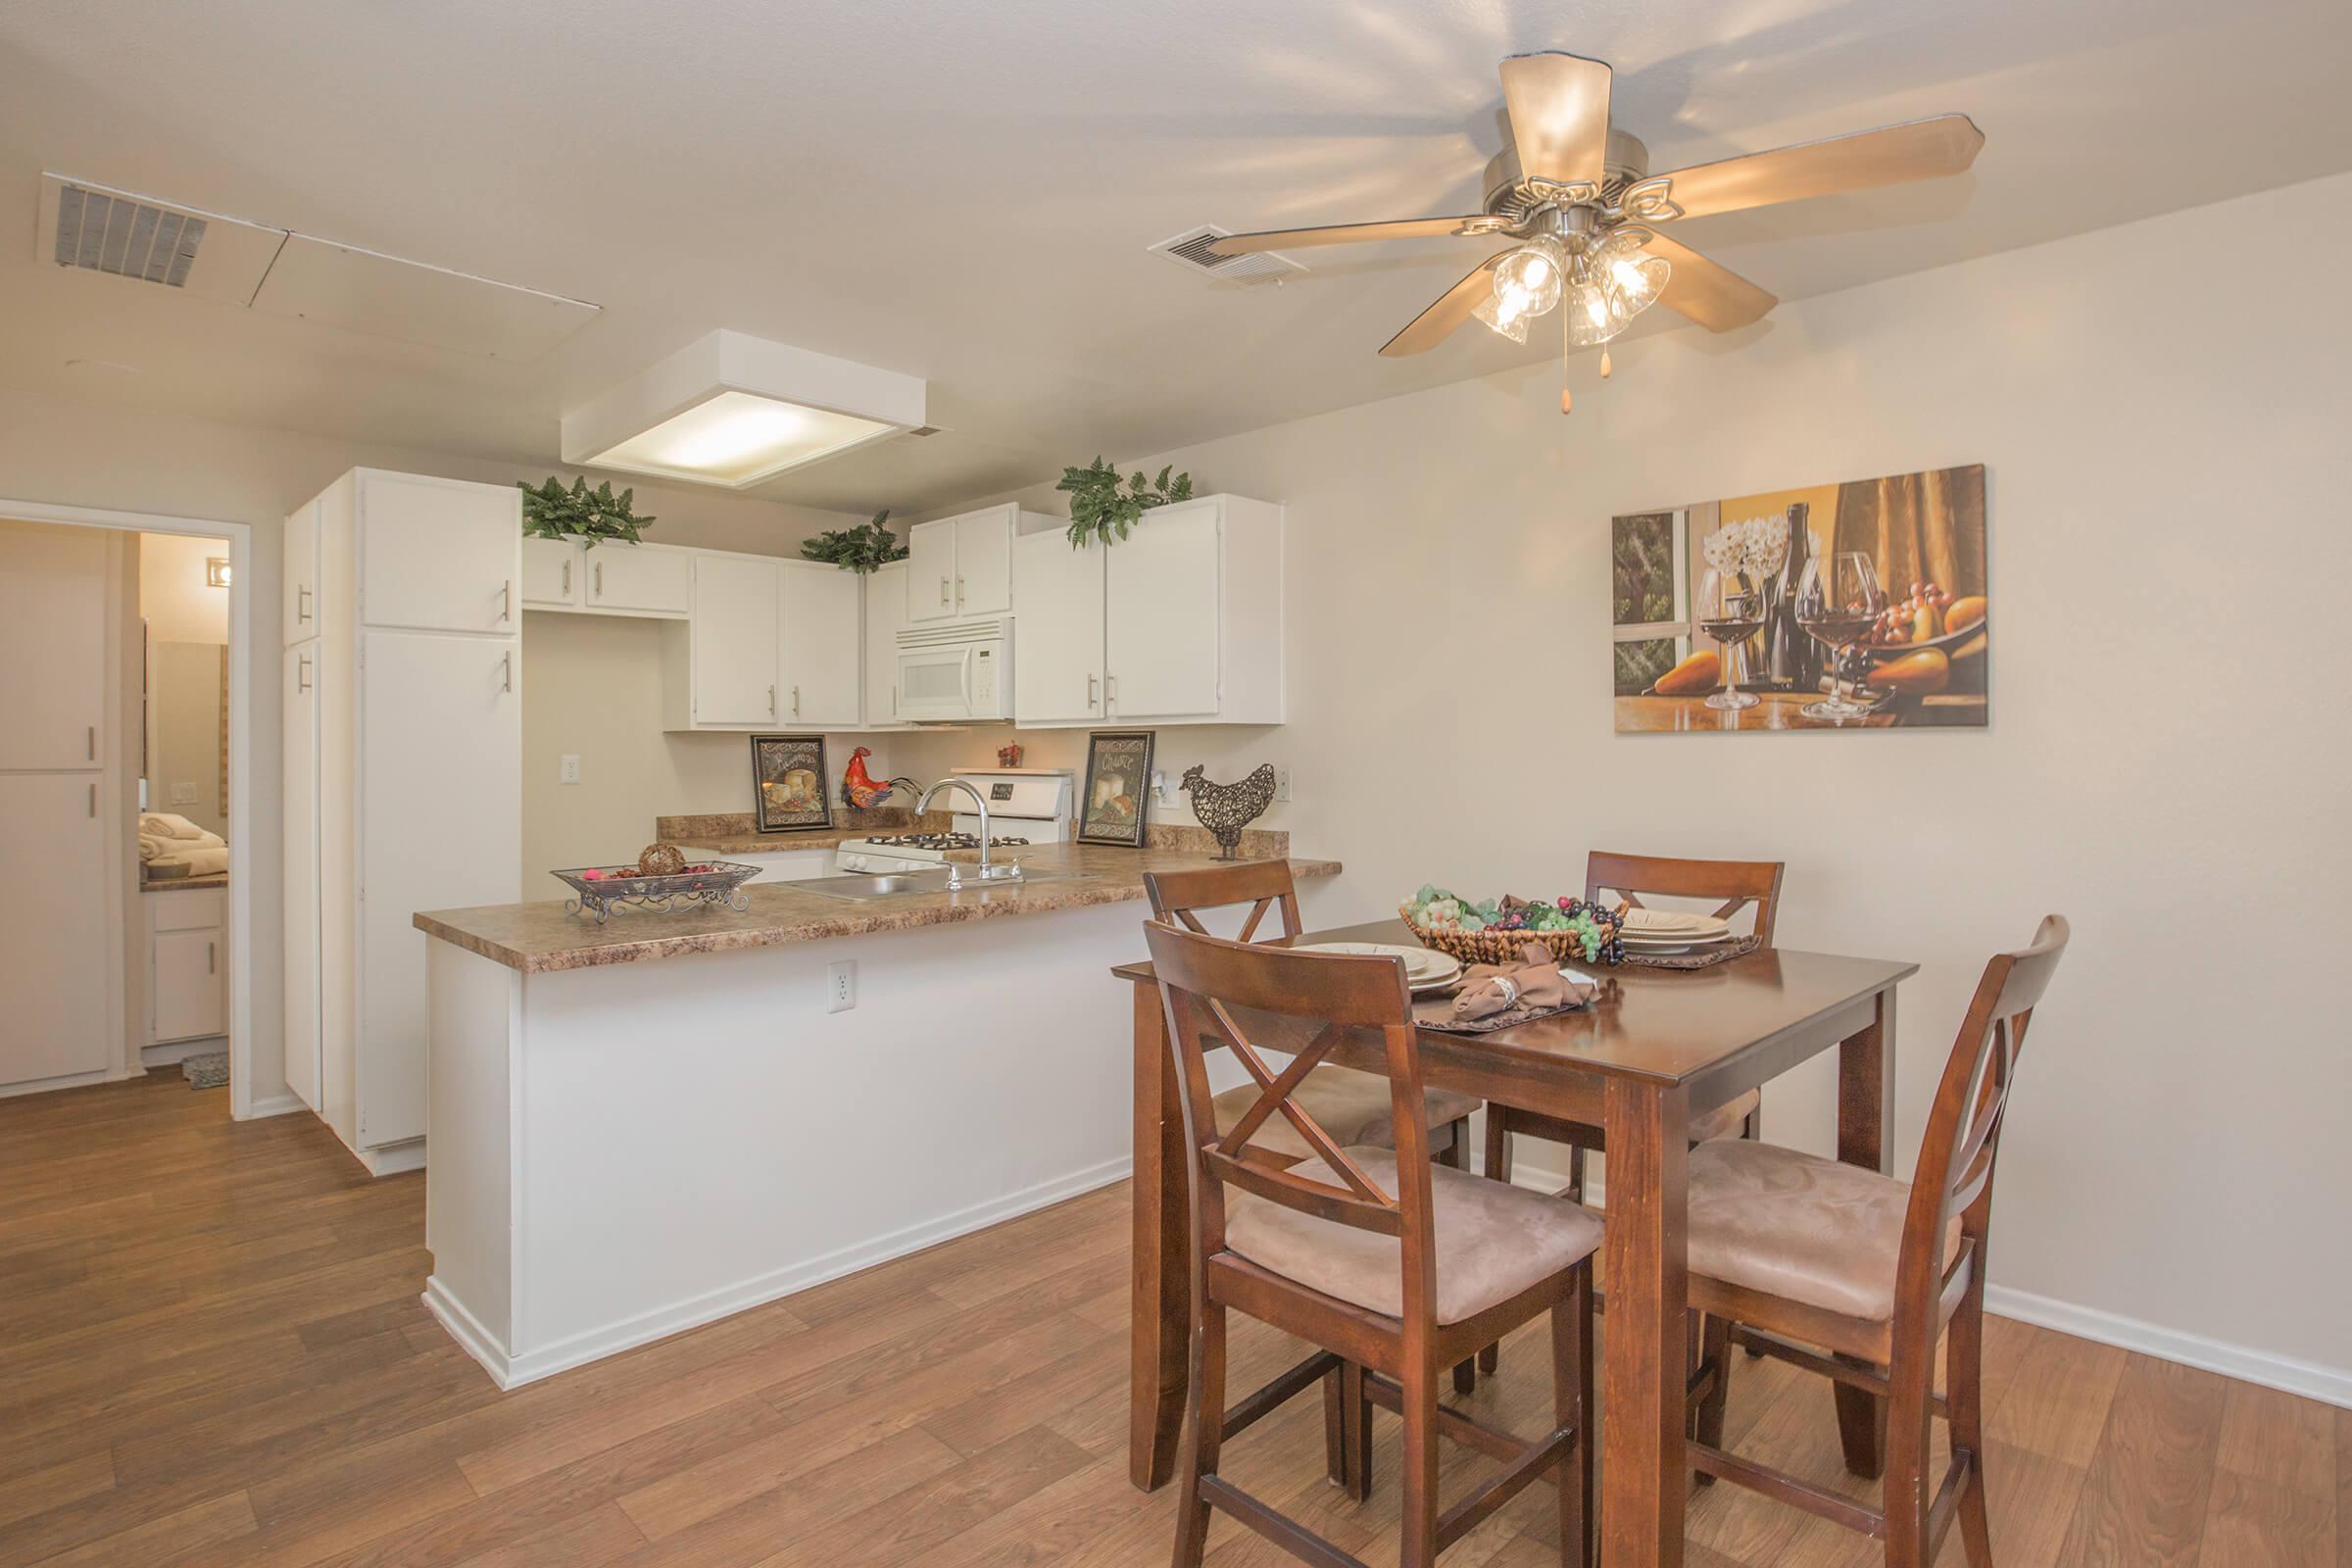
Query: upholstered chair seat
[[1493, 1241], [1800, 1227], [1353, 1106]]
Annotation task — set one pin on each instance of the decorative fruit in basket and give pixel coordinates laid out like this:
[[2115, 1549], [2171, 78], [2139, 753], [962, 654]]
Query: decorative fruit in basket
[[660, 860], [1570, 926]]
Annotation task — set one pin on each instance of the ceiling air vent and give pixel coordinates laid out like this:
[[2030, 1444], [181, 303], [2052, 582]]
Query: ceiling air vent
[[91, 228], [1190, 251]]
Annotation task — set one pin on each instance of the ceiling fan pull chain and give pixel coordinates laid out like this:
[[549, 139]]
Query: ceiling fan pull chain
[[1605, 364]]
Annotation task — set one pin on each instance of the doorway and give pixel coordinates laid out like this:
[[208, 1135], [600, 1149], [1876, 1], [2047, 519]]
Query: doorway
[[94, 790]]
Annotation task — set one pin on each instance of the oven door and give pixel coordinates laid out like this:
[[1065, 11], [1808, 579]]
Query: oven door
[[936, 683]]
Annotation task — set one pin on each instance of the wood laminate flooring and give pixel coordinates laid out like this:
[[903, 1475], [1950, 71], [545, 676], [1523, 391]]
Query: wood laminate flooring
[[212, 1353]]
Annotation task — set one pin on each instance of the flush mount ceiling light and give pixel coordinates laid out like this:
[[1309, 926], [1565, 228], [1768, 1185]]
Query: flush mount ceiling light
[[1577, 195], [736, 411]]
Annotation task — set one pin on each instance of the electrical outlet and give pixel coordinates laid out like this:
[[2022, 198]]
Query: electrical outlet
[[1282, 783], [841, 985], [571, 769]]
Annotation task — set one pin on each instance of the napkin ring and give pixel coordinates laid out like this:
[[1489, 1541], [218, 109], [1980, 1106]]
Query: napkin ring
[[1511, 989]]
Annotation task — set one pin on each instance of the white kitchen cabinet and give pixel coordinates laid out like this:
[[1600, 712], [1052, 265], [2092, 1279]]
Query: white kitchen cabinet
[[187, 964], [54, 586], [638, 580], [402, 785], [439, 555], [1179, 623], [550, 573], [299, 572], [885, 591], [732, 642], [962, 566], [1058, 665], [820, 618], [53, 928]]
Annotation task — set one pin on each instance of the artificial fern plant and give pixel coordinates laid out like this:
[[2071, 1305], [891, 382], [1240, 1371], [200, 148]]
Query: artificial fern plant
[[551, 511], [866, 548], [1102, 508]]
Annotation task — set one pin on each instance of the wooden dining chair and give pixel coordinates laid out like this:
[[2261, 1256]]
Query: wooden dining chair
[[1393, 1266], [1857, 1276], [1353, 1106]]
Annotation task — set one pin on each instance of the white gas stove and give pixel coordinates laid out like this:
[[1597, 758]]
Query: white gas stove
[[1025, 807]]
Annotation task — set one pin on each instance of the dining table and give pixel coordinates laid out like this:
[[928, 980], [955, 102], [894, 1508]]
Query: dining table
[[1657, 1048]]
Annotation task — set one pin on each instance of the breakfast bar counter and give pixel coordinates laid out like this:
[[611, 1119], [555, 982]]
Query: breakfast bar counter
[[621, 1148]]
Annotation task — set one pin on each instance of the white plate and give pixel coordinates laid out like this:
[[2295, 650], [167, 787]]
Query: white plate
[[1704, 939], [1420, 963], [1673, 923]]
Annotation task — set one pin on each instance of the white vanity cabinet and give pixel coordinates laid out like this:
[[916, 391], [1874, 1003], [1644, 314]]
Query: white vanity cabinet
[[187, 964], [962, 566], [1178, 624]]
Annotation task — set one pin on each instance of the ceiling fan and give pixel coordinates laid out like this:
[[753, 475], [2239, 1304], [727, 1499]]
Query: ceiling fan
[[1578, 195]]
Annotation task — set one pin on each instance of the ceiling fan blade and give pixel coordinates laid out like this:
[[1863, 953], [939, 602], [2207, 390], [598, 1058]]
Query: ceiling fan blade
[[1284, 239], [1451, 309], [1708, 292], [1559, 106], [1921, 149]]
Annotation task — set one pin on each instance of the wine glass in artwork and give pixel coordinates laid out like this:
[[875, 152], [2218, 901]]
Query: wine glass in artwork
[[1730, 610], [1838, 599]]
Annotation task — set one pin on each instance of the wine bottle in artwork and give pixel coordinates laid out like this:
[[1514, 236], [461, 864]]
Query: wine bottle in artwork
[[1792, 660]]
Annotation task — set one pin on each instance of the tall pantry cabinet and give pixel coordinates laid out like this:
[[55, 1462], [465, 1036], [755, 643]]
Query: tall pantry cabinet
[[402, 726]]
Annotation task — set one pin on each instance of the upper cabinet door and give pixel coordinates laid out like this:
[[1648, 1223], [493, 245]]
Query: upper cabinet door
[[736, 652], [931, 571], [440, 555], [822, 640], [53, 598], [1162, 630], [643, 579], [885, 613], [1057, 654], [301, 574], [984, 562], [551, 574]]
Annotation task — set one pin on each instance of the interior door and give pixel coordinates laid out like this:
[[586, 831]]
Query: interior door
[[822, 639], [735, 645], [551, 569], [1057, 637], [885, 613], [984, 562], [440, 808], [931, 571], [299, 807], [299, 576], [633, 577], [53, 594], [439, 555], [1161, 604], [53, 928]]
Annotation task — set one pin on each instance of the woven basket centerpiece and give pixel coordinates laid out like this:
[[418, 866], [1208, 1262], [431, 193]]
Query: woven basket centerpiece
[[1498, 930]]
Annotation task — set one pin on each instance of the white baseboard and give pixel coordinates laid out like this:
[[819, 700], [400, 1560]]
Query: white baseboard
[[512, 1371], [2326, 1384], [275, 1106], [76, 1080]]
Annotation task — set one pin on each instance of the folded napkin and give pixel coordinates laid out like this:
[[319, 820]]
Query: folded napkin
[[1536, 982]]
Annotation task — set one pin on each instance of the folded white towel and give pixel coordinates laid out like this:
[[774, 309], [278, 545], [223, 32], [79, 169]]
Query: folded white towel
[[157, 846], [164, 826]]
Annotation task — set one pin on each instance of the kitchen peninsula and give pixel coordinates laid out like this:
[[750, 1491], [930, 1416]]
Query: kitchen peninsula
[[651, 1123]]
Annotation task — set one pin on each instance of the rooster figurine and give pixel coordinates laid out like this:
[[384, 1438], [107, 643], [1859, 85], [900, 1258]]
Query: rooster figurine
[[858, 788], [1227, 809]]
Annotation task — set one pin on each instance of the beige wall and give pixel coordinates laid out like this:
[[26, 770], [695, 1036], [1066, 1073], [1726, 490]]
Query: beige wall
[[178, 605], [2166, 759], [70, 453]]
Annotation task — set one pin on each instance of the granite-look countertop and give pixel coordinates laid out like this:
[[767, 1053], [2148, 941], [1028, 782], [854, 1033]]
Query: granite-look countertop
[[538, 938], [733, 832], [181, 884]]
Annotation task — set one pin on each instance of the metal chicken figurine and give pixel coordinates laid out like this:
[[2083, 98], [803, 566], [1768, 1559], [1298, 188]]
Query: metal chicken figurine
[[1227, 809]]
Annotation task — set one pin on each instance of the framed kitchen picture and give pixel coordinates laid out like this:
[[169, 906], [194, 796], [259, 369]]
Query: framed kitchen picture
[[1118, 778], [788, 783]]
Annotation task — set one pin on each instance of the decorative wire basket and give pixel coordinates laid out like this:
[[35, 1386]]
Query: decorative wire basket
[[620, 887], [1505, 947]]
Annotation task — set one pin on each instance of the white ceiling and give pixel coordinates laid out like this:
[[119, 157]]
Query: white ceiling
[[963, 189]]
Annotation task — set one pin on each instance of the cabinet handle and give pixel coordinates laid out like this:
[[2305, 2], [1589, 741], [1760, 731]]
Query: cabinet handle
[[507, 613], [509, 669], [1110, 688], [771, 702], [796, 702], [959, 592], [567, 577], [302, 603], [600, 580], [93, 799], [302, 673], [93, 743], [1090, 692], [211, 961], [943, 590]]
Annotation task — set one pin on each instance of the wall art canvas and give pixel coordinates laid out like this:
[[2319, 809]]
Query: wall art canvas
[[1856, 605], [788, 783], [1118, 780]]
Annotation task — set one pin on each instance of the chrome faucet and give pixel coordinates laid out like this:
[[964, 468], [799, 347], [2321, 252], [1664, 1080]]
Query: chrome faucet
[[988, 873]]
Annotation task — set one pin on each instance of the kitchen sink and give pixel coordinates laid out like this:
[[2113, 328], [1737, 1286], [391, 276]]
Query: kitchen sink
[[907, 884]]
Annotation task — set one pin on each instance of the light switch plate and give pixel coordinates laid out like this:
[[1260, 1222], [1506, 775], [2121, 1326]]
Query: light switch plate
[[570, 773], [183, 795]]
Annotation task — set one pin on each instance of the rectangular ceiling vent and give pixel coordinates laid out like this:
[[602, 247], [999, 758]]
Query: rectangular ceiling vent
[[126, 237], [1190, 251]]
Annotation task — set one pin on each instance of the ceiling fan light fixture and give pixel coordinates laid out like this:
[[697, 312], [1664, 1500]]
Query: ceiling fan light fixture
[[1527, 284]]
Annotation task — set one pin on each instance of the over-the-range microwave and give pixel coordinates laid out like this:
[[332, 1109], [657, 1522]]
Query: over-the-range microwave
[[960, 673]]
